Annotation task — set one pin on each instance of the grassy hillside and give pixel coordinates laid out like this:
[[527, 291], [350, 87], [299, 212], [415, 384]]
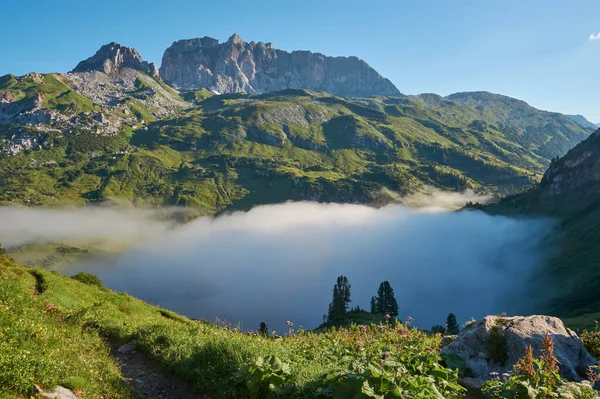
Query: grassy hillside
[[54, 331], [236, 151], [568, 192]]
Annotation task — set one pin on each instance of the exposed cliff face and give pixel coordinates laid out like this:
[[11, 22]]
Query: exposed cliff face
[[116, 74], [112, 57], [576, 175], [236, 66]]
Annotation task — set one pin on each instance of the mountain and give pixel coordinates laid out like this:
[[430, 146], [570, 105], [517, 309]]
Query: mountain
[[113, 57], [583, 121], [570, 193], [255, 68], [112, 129]]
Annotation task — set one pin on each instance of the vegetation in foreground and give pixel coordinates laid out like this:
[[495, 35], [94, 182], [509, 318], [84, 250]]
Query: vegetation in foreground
[[54, 331]]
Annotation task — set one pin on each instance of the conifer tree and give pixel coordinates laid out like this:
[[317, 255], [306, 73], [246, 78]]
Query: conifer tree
[[341, 299], [452, 327], [385, 302], [263, 330], [373, 305]]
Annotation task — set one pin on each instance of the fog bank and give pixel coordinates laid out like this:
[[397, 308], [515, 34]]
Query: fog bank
[[279, 262]]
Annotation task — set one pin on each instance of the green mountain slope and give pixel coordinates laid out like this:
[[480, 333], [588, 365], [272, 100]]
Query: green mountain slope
[[236, 151], [583, 122], [570, 192]]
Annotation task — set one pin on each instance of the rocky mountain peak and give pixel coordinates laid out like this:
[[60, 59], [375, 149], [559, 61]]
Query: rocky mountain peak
[[235, 38], [237, 66], [112, 57]]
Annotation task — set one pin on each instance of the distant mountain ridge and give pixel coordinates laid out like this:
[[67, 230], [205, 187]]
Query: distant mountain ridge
[[255, 68], [113, 129], [584, 122]]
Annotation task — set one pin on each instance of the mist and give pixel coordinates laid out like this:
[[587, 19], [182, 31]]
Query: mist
[[279, 262]]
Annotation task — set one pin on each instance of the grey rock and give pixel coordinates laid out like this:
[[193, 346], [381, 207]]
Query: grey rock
[[519, 332], [112, 57], [237, 66], [127, 347], [58, 393]]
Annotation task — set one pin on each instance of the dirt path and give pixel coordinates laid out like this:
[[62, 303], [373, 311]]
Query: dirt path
[[149, 380]]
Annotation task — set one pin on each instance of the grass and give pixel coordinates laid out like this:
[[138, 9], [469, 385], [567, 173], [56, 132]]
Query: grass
[[211, 157], [57, 336]]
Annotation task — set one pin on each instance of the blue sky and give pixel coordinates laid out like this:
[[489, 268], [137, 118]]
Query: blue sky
[[538, 51]]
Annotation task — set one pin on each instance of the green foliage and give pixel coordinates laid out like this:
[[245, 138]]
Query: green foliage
[[377, 370], [385, 302], [452, 325], [497, 346], [591, 340], [266, 378], [88, 278], [59, 331], [537, 378]]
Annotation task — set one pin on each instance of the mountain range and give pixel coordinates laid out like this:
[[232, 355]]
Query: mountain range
[[112, 129]]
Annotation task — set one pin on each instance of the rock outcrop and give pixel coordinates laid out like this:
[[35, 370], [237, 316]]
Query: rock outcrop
[[576, 175], [112, 57], [236, 66], [484, 342]]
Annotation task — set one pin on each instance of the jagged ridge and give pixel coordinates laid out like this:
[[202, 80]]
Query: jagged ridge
[[237, 66]]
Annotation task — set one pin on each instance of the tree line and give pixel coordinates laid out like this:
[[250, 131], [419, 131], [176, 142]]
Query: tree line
[[383, 303]]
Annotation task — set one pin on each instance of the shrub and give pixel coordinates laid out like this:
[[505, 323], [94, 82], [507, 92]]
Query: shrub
[[537, 378], [89, 279], [497, 345], [591, 340]]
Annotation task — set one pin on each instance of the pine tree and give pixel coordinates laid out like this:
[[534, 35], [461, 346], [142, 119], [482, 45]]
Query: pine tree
[[451, 325], [341, 299], [373, 305], [263, 330], [385, 302]]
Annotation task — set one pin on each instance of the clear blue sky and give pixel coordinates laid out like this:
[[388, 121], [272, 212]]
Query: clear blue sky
[[538, 51]]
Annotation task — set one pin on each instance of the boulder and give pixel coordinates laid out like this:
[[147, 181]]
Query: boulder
[[495, 344], [58, 393]]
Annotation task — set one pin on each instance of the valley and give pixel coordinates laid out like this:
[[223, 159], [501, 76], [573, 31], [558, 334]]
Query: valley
[[191, 218]]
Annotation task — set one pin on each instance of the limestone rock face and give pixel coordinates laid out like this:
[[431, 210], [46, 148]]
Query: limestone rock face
[[112, 57], [236, 66], [474, 344]]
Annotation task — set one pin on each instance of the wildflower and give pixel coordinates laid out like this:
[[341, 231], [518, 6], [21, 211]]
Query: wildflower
[[494, 375], [401, 331], [380, 327], [363, 328], [386, 355], [289, 323], [409, 320], [360, 345], [506, 376], [387, 316]]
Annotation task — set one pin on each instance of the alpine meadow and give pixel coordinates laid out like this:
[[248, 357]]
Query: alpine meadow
[[235, 216]]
